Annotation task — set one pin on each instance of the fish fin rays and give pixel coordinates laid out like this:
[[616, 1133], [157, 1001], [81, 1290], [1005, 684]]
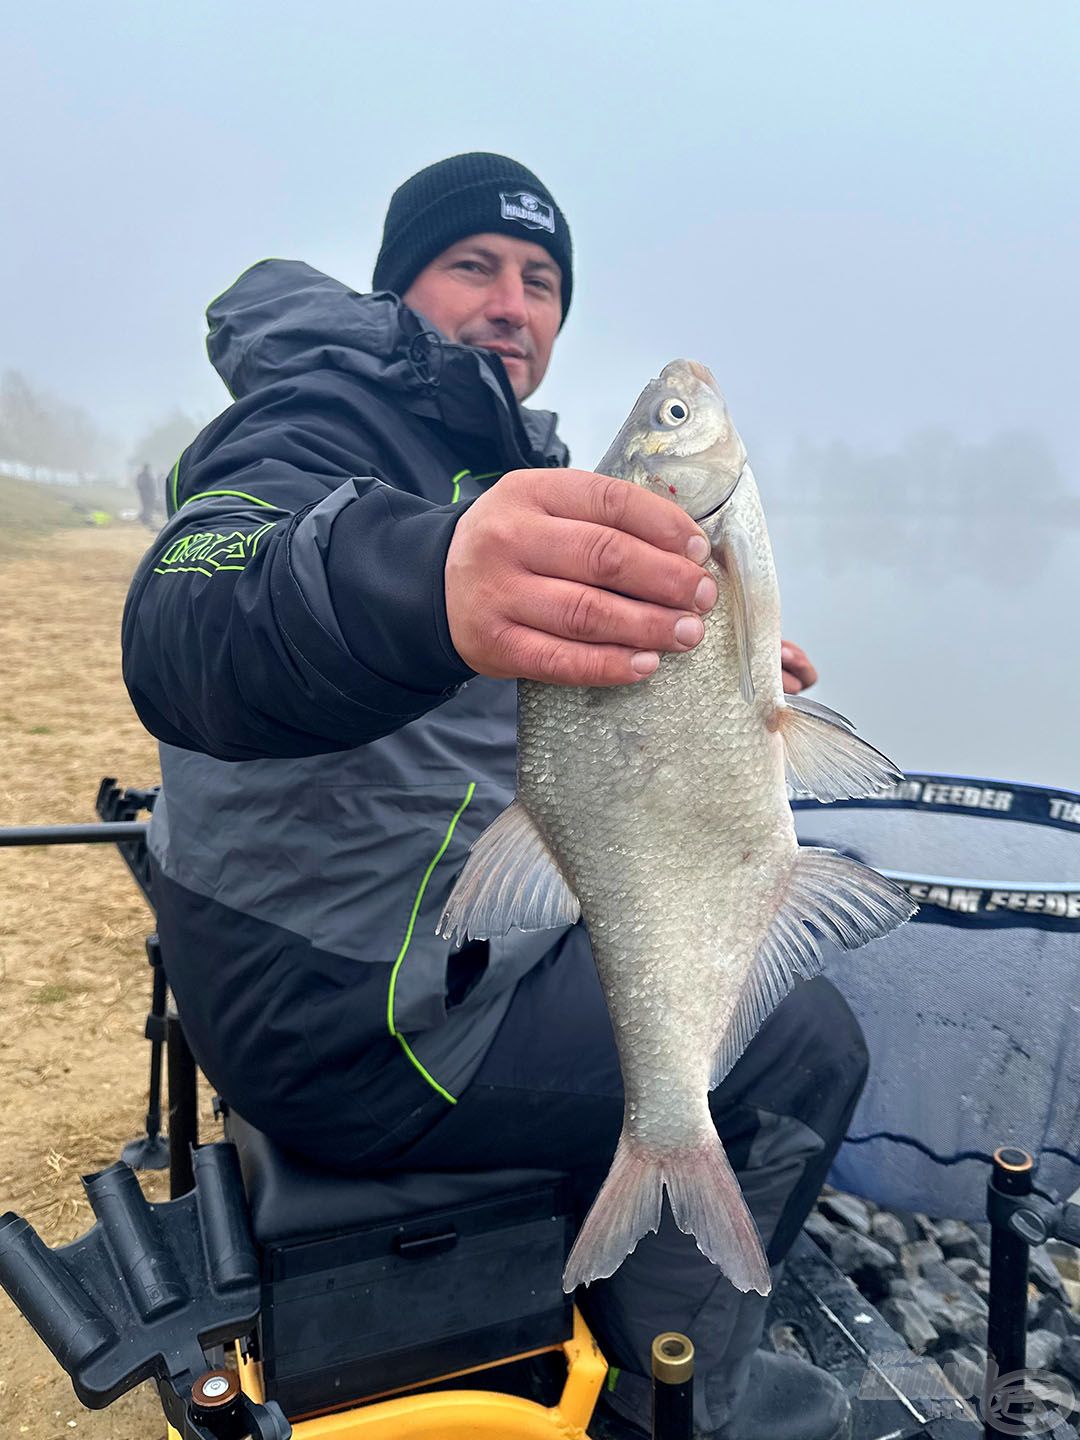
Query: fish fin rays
[[734, 552], [824, 756], [828, 897], [706, 1202], [510, 879]]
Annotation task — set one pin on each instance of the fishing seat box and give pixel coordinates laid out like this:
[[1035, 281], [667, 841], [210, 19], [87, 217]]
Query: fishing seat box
[[379, 1283]]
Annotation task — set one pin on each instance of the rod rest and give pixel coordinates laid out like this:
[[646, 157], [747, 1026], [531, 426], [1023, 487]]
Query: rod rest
[[142, 1292]]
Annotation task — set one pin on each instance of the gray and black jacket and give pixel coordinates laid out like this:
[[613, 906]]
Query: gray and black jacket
[[327, 758]]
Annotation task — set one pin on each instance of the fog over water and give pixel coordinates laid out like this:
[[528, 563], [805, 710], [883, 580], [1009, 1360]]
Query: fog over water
[[864, 219]]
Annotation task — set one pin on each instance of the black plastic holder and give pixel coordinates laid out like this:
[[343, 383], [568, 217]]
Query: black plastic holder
[[183, 1108], [151, 1151], [1020, 1216], [146, 1291]]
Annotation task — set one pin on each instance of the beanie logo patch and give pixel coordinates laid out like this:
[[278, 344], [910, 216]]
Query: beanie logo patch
[[527, 209]]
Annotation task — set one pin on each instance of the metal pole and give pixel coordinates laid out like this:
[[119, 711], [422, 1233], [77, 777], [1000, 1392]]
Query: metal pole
[[104, 833], [1007, 1321], [673, 1387]]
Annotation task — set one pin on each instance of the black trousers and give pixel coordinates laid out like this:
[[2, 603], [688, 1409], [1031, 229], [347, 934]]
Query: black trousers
[[283, 1033], [549, 1093]]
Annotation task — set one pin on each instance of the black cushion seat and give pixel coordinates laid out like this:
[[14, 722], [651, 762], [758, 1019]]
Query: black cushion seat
[[292, 1199]]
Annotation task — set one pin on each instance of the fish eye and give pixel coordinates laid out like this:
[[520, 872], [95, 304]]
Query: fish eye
[[673, 412]]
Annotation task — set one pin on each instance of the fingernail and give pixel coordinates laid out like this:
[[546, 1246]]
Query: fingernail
[[705, 594], [644, 662], [689, 630], [698, 549]]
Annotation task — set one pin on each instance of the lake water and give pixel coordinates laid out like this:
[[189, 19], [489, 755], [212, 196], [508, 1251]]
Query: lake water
[[949, 638]]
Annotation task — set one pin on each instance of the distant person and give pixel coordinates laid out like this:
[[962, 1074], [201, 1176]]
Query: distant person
[[313, 641], [147, 489]]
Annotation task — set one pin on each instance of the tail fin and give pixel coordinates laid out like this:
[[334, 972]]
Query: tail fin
[[705, 1200]]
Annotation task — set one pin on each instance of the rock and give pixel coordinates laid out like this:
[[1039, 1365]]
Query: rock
[[1046, 1312], [1068, 1359], [968, 1270], [954, 1317], [901, 1289], [965, 1369], [957, 1240], [785, 1341], [1066, 1257], [1044, 1273], [945, 1280], [848, 1209], [917, 1253], [910, 1322], [889, 1230], [1042, 1350], [821, 1230], [1055, 1321], [867, 1263]]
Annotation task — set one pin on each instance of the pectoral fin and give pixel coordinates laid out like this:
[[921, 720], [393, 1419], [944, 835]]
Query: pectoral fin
[[510, 879], [732, 550], [825, 758], [828, 897]]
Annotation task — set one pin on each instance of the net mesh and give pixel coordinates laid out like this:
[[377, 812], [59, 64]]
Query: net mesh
[[972, 1011]]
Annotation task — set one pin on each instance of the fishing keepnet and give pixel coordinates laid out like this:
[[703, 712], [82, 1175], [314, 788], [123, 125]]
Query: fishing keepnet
[[971, 1010]]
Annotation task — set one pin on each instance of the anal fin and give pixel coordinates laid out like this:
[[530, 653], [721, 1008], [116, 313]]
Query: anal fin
[[828, 897]]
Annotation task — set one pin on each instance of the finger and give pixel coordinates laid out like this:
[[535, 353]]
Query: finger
[[582, 612], [530, 655], [606, 500], [613, 560], [795, 659], [792, 683]]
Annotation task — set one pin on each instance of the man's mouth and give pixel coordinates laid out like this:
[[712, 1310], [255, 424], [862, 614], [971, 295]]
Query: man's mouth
[[507, 352]]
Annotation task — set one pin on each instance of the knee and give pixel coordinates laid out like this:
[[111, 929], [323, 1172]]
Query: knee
[[809, 1056]]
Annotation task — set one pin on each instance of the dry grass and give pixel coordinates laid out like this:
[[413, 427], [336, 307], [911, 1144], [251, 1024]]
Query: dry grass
[[74, 983]]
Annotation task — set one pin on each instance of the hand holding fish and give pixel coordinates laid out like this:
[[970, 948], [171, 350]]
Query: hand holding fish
[[575, 579], [797, 672]]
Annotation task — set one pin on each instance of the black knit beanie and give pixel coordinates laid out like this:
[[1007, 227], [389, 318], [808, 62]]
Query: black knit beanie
[[470, 194]]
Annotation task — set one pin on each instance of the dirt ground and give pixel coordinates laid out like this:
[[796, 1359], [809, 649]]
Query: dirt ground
[[74, 982]]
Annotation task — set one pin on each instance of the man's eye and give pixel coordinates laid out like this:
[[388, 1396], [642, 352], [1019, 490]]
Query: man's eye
[[472, 265], [539, 283]]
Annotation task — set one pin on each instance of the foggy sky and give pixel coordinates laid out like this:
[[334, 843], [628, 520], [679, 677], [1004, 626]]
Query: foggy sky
[[863, 218]]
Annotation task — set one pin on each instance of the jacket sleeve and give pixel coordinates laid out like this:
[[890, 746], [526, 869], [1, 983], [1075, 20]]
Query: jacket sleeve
[[293, 604]]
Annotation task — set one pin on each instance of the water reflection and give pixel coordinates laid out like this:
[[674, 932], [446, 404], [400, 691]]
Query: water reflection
[[936, 591], [937, 506]]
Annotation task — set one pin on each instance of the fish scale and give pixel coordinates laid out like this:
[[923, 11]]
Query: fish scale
[[659, 813]]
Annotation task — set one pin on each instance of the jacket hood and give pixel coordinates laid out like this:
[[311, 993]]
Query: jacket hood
[[283, 318]]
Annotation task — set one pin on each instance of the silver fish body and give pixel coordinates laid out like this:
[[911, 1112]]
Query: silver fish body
[[661, 810]]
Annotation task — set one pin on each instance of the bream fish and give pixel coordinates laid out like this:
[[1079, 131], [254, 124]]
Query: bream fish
[[659, 812]]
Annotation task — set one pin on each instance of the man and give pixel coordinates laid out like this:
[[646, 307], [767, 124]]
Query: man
[[146, 489], [362, 552]]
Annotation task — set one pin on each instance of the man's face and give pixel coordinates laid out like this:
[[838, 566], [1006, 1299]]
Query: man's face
[[497, 293]]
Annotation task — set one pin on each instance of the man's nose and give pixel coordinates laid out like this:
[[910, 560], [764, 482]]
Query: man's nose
[[506, 301]]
